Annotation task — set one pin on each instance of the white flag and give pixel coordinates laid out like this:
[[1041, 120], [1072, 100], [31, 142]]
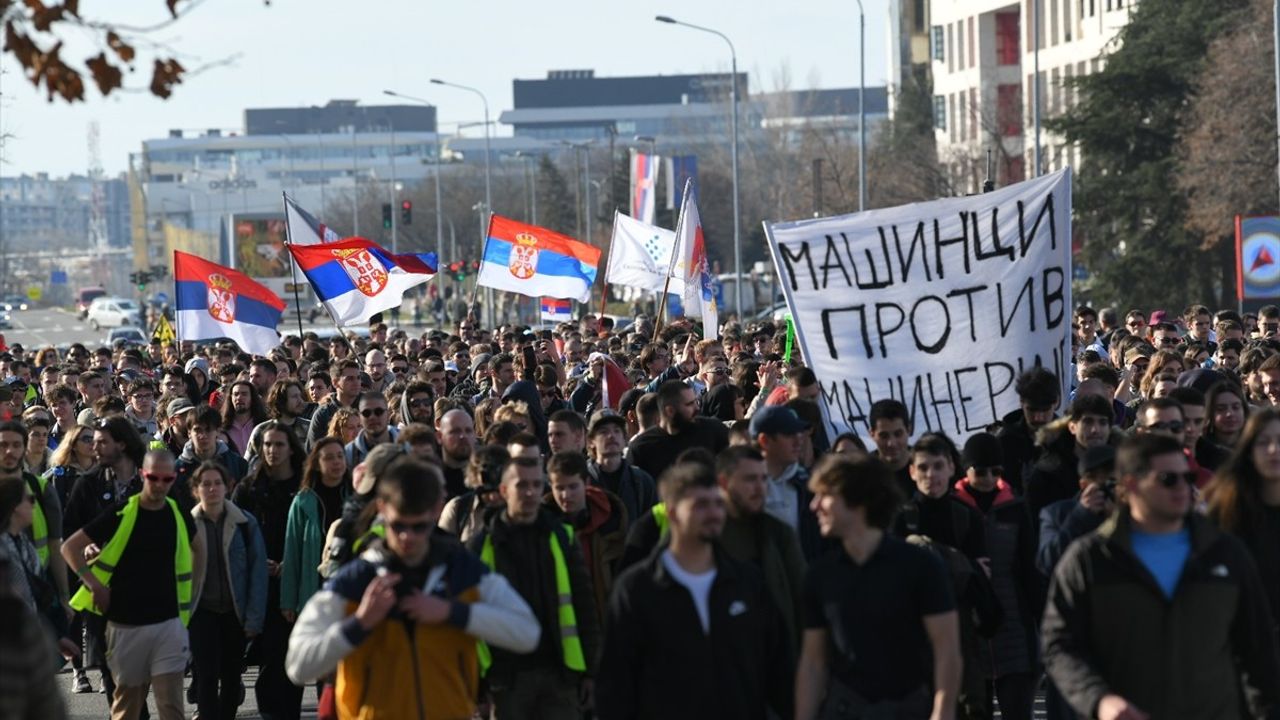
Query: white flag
[[640, 256], [304, 228]]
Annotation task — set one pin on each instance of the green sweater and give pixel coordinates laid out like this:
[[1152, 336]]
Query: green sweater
[[303, 550]]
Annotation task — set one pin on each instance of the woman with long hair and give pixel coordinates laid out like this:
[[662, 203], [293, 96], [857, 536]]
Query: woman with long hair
[[267, 493], [1162, 374], [1244, 497], [326, 485], [344, 425], [1226, 411], [230, 605], [72, 458]]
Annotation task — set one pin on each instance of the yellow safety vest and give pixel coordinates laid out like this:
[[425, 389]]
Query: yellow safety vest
[[40, 524], [570, 644], [105, 564], [660, 516]]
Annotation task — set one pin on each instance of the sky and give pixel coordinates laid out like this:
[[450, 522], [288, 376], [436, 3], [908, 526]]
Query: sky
[[305, 52]]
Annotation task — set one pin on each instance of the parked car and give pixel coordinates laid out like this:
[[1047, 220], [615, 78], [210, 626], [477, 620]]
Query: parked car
[[109, 311], [6, 321], [85, 297], [130, 334]]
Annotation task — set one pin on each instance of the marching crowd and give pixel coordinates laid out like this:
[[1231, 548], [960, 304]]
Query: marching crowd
[[473, 522]]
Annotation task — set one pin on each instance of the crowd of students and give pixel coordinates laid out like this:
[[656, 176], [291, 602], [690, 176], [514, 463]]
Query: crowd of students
[[443, 524]]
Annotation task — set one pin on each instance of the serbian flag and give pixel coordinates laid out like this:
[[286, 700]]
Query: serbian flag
[[304, 228], [554, 310], [357, 278], [644, 186], [694, 267], [217, 302], [615, 382], [537, 262]]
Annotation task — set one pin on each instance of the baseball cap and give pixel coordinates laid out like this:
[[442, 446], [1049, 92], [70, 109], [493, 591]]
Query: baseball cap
[[1156, 318], [777, 420], [601, 418], [1136, 352], [177, 406]]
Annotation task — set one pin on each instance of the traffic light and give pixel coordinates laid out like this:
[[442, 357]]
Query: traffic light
[[386, 215], [406, 212], [140, 279], [458, 270], [475, 266]]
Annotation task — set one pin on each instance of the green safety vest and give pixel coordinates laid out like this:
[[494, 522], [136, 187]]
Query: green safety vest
[[105, 564], [39, 523], [377, 530], [570, 644], [660, 516]]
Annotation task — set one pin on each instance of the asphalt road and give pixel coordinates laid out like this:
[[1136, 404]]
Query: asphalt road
[[93, 706], [50, 326]]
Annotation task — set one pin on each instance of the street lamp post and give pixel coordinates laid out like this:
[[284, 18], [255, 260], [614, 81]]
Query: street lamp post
[[733, 97], [439, 203], [862, 109], [1035, 78], [488, 188]]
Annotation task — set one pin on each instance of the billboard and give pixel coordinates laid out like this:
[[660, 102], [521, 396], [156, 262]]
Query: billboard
[[256, 247], [1257, 261]]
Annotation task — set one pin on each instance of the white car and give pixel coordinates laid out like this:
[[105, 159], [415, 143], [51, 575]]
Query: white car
[[113, 312]]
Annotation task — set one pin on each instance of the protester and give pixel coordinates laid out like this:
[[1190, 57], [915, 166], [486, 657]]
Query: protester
[[322, 491], [145, 560], [907, 662], [357, 624], [230, 605], [1116, 663], [597, 516], [539, 555], [693, 622], [611, 471]]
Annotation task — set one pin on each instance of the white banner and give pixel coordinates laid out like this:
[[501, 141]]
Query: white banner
[[640, 256], [940, 305]]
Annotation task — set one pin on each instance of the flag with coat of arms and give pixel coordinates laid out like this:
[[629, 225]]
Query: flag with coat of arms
[[536, 262], [213, 302], [356, 278]]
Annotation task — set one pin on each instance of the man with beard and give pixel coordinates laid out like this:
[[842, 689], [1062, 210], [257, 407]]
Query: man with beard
[[457, 433], [755, 537], [1039, 392], [375, 428], [694, 622], [346, 393], [375, 362], [530, 547], [241, 413], [417, 404], [678, 429]]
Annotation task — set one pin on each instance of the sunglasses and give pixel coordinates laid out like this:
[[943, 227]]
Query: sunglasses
[[153, 477], [403, 528], [720, 371], [420, 402], [399, 369], [373, 412], [1171, 479], [85, 438], [1173, 426]]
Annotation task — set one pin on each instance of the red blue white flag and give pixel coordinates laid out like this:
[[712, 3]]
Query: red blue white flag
[[644, 186], [537, 262], [356, 278], [694, 267], [556, 310], [213, 302]]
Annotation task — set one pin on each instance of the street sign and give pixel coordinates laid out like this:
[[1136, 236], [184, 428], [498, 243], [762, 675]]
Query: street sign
[[161, 298], [34, 293], [58, 277]]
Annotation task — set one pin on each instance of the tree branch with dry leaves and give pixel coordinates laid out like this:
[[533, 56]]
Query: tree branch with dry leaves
[[34, 34]]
